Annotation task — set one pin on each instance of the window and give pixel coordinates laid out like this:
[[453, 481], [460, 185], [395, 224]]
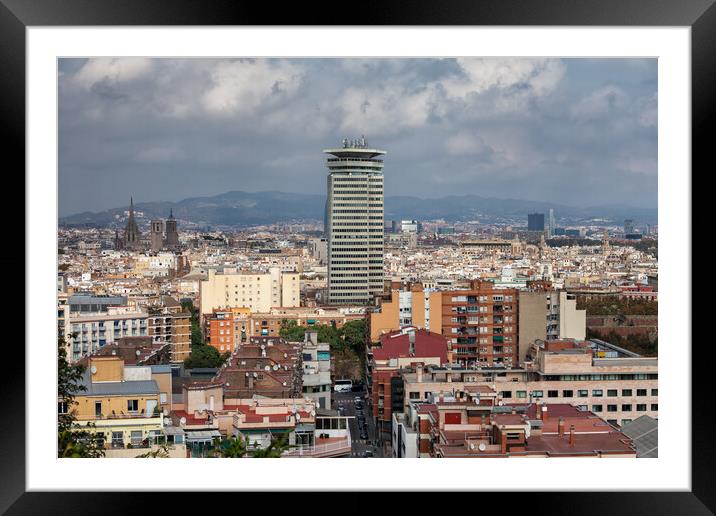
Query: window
[[537, 394], [612, 392], [567, 393], [414, 395], [583, 408], [521, 394], [136, 437], [611, 408], [625, 421], [583, 393], [655, 406], [98, 408], [117, 440], [655, 392], [552, 394], [626, 392], [641, 407], [597, 393], [626, 407], [596, 408], [62, 407], [612, 422], [506, 394], [132, 405], [641, 392]]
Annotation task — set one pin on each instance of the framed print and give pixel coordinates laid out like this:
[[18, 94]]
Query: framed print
[[412, 234]]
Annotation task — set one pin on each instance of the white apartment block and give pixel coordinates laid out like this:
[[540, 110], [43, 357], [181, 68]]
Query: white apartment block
[[87, 332], [257, 291]]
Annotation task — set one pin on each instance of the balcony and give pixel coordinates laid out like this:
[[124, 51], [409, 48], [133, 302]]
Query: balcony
[[332, 448]]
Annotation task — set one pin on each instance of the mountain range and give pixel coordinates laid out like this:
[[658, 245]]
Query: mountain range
[[241, 209]]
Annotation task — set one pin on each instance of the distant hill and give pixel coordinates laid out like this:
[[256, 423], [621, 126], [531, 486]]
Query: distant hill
[[242, 209]]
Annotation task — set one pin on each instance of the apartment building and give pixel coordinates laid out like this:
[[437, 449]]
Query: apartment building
[[484, 323], [462, 426], [122, 402], [91, 331], [228, 328], [173, 329], [257, 291], [398, 350], [316, 361], [616, 385]]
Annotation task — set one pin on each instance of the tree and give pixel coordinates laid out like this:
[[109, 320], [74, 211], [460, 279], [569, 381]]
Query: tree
[[160, 453], [232, 448], [205, 356], [197, 339], [274, 450], [73, 440]]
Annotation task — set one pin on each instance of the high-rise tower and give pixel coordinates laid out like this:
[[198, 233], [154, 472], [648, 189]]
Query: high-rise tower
[[551, 223], [354, 222]]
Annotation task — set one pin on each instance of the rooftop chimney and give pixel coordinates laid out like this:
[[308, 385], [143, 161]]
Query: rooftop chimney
[[560, 427], [419, 371], [571, 435]]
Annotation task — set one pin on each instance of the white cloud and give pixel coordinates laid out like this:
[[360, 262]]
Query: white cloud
[[243, 87], [600, 103], [536, 77], [159, 155], [114, 70]]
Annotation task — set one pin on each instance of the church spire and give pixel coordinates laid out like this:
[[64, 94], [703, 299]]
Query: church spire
[[171, 213]]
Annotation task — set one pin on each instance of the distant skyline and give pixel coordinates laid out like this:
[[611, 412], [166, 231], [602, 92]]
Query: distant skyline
[[564, 131]]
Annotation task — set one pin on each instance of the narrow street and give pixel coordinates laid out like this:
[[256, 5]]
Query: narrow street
[[345, 401]]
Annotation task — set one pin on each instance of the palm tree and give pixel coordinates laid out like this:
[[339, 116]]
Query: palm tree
[[275, 449], [232, 448]]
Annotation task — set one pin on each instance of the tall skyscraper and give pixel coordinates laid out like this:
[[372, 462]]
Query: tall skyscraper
[[551, 224], [354, 222], [535, 222]]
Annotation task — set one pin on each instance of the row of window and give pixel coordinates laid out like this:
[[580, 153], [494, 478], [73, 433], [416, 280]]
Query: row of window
[[582, 393]]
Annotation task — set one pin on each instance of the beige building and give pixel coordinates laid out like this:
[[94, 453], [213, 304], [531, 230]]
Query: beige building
[[257, 291], [618, 389]]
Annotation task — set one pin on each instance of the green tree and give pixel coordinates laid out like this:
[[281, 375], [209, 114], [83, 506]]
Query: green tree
[[197, 339], [73, 440], [205, 356], [160, 453], [232, 448], [273, 450]]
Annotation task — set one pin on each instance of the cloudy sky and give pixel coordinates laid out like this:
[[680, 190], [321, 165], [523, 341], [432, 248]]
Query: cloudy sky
[[569, 131]]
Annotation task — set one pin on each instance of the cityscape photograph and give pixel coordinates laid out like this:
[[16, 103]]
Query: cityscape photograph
[[357, 257]]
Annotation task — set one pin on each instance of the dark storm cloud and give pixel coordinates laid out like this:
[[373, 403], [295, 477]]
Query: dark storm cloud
[[575, 132]]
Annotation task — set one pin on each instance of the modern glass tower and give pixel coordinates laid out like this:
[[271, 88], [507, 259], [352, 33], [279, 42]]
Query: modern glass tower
[[354, 222]]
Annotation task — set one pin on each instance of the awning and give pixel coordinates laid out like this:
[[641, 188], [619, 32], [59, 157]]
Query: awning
[[202, 436], [173, 430]]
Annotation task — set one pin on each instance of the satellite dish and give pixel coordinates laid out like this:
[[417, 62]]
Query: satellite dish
[[298, 417], [182, 420], [472, 446], [94, 369], [313, 413], [267, 368], [275, 367], [167, 421], [247, 374], [227, 384], [500, 403], [138, 352], [255, 375], [482, 447]]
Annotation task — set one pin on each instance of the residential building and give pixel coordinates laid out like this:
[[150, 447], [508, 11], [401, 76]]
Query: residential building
[[354, 223], [535, 222], [91, 331], [258, 292], [121, 402], [316, 361]]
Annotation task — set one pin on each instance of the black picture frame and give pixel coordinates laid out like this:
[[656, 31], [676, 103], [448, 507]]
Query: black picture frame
[[17, 15]]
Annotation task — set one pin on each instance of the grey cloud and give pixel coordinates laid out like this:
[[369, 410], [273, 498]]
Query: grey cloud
[[577, 131]]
